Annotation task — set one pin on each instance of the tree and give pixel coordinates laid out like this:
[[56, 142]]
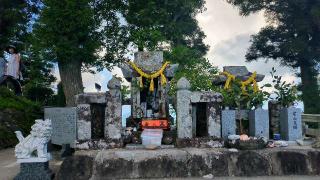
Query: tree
[[37, 77], [198, 70], [96, 33], [291, 37], [73, 33], [14, 18], [171, 26], [154, 24]]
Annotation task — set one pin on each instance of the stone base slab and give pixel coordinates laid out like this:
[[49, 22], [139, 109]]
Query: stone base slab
[[99, 144], [140, 146], [189, 162], [35, 171], [201, 142], [34, 159]]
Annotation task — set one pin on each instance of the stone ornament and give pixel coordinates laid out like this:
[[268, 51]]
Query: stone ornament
[[183, 83], [36, 141]]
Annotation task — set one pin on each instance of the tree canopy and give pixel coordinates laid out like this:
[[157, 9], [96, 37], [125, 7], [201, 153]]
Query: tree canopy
[[157, 23], [79, 34], [291, 37], [15, 18]]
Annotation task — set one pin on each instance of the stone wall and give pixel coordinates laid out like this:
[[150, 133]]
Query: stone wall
[[189, 162]]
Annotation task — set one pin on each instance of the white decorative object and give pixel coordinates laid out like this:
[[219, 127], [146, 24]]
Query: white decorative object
[[33, 148]]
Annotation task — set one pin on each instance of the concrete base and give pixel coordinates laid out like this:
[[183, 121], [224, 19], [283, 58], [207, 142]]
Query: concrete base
[[200, 142], [140, 146], [189, 162], [35, 171], [99, 144]]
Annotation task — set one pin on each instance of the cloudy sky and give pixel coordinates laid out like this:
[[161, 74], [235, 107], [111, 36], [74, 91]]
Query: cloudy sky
[[228, 35]]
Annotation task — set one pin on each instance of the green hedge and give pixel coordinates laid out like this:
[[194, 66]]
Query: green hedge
[[16, 113]]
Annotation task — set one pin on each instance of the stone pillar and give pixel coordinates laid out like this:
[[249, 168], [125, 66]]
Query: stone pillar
[[290, 124], [213, 121], [135, 99], [274, 117], [184, 109], [228, 119], [113, 110], [83, 122], [259, 123]]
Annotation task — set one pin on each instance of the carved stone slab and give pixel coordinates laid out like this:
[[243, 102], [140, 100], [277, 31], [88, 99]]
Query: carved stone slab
[[149, 61], [205, 96], [63, 124], [228, 123], [259, 123], [89, 98], [290, 124]]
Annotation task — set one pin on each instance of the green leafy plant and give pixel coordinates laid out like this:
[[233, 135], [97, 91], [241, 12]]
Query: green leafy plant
[[256, 99], [228, 98], [199, 73], [235, 99], [286, 93]]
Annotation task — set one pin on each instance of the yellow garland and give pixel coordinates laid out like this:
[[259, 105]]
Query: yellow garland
[[230, 78], [251, 79], [150, 76]]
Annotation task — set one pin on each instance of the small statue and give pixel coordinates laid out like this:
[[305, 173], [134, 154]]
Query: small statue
[[37, 141]]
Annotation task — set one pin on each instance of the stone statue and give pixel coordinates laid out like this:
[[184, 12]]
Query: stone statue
[[37, 141]]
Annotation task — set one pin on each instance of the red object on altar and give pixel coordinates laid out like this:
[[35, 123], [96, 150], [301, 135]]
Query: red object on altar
[[155, 124]]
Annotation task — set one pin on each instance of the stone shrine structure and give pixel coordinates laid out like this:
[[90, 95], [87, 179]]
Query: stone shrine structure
[[146, 103], [99, 118], [258, 118], [189, 103], [240, 72]]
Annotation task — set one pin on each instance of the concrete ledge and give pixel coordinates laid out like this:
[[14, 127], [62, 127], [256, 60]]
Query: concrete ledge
[[189, 162]]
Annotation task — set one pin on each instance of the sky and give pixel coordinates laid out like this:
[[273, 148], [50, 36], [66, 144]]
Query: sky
[[228, 35]]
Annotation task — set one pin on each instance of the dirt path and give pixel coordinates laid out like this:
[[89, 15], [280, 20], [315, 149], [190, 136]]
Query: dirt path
[[9, 168]]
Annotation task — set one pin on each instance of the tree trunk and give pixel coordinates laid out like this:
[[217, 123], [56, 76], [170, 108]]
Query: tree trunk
[[310, 89], [71, 79]]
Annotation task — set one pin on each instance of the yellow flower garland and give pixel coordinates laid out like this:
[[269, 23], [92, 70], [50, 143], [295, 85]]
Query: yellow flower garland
[[230, 78], [251, 79], [244, 84], [151, 76]]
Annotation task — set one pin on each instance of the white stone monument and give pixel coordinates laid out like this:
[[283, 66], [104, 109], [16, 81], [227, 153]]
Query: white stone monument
[[33, 148]]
